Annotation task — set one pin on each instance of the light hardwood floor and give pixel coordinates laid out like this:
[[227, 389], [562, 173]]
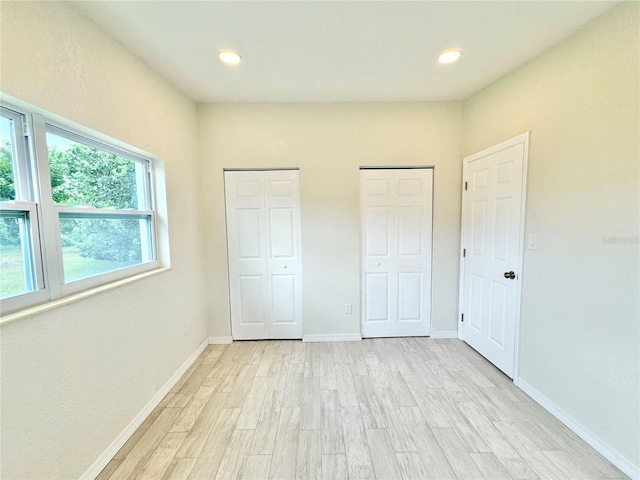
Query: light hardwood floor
[[395, 408]]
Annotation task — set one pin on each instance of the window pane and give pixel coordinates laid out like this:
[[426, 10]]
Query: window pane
[[85, 176], [16, 275], [7, 181], [92, 246]]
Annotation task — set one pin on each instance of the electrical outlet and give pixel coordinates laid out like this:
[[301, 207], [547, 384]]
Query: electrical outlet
[[347, 308]]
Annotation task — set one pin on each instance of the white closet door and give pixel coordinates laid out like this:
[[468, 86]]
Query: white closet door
[[265, 268], [284, 260], [396, 224]]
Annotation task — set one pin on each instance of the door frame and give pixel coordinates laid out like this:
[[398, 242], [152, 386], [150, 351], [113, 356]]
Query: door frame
[[361, 249], [519, 139]]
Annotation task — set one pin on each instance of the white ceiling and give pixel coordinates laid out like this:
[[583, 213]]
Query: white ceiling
[[330, 51]]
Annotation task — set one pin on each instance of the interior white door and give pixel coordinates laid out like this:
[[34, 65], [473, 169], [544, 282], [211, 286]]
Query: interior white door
[[493, 208], [396, 233], [264, 250]]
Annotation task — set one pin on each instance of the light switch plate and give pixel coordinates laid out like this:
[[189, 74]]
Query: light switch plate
[[532, 241]]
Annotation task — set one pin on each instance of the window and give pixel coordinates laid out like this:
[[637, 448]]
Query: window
[[75, 212], [102, 201], [20, 259]]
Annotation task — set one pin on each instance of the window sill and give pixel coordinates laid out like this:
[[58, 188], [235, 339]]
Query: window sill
[[76, 297]]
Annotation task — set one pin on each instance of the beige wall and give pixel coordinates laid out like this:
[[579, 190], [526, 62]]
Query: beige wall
[[580, 308], [329, 142], [73, 378]]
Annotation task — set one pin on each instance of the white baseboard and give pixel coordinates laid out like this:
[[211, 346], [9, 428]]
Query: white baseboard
[[335, 337], [95, 469], [584, 433], [444, 334], [220, 340]]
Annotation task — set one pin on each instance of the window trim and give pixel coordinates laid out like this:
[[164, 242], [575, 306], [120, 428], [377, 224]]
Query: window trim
[[44, 215], [48, 305]]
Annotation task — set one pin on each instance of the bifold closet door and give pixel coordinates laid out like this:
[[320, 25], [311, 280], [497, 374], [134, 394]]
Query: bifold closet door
[[396, 226], [263, 241]]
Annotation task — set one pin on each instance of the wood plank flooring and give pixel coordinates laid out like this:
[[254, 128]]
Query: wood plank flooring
[[394, 408]]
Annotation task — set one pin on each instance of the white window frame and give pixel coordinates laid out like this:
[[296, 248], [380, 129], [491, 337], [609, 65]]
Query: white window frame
[[44, 216], [26, 202], [32, 255]]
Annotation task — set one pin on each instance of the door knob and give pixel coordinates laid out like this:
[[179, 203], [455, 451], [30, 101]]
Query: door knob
[[378, 264], [510, 275], [284, 266]]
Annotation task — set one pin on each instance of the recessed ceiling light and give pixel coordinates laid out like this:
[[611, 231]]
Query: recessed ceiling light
[[229, 57], [449, 56]]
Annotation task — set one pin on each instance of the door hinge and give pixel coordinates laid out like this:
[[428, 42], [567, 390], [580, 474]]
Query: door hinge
[[464, 252], [462, 317], [465, 185]]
